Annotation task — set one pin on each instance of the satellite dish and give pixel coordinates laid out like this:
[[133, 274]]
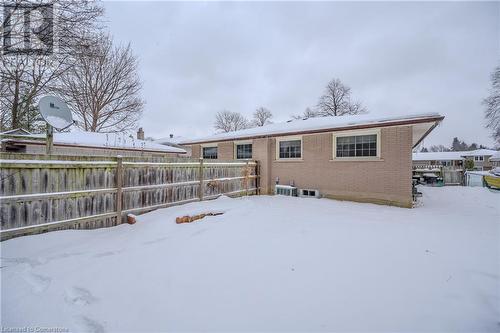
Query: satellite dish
[[55, 112]]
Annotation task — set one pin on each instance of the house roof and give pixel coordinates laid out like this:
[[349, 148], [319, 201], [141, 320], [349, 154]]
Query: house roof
[[96, 140], [495, 157], [480, 152], [326, 124], [176, 139], [453, 155], [438, 156]]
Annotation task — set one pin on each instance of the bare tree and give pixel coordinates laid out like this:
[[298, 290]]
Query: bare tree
[[438, 148], [261, 117], [308, 113], [336, 101], [25, 74], [103, 88], [227, 121], [492, 103]]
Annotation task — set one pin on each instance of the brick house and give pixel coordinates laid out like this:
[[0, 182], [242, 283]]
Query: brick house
[[87, 144], [481, 158], [495, 160], [359, 158]]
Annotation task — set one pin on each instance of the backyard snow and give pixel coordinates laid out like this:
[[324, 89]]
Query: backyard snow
[[268, 264]]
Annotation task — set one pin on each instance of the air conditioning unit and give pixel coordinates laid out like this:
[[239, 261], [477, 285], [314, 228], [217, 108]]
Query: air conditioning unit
[[290, 191], [309, 193]]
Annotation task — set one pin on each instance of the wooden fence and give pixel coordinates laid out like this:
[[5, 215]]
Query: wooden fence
[[451, 175], [38, 195]]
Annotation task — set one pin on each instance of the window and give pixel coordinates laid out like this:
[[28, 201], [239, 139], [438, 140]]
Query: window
[[290, 149], [478, 158], [210, 153], [356, 146], [243, 151]]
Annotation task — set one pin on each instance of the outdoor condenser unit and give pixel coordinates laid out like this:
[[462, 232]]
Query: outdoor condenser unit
[[308, 193], [285, 190]]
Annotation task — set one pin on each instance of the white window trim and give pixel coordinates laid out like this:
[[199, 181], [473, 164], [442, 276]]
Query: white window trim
[[376, 131], [289, 138], [209, 145], [241, 142]]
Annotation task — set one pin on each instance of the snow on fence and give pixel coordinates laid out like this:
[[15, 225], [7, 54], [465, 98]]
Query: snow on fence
[[85, 193]]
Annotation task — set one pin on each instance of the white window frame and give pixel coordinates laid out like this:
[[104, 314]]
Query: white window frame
[[209, 145], [479, 158], [241, 142], [336, 135], [289, 138]]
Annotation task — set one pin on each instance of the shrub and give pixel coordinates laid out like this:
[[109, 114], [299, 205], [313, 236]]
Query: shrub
[[469, 164]]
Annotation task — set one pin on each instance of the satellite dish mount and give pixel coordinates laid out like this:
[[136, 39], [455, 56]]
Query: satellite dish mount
[[57, 116]]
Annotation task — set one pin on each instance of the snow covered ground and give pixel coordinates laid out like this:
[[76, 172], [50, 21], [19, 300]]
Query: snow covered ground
[[268, 264]]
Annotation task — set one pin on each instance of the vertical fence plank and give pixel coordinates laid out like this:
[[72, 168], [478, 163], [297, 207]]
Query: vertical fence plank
[[247, 177], [44, 189], [202, 178], [119, 190]]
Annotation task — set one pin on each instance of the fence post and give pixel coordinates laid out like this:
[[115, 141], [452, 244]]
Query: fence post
[[200, 191], [247, 177], [257, 178], [49, 146], [119, 188]]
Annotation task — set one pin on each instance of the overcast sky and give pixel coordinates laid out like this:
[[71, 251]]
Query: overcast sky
[[398, 58]]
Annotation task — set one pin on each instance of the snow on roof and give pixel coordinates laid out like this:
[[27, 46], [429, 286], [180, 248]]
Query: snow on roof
[[313, 124], [106, 140], [495, 157], [16, 131], [171, 140], [438, 156], [480, 152]]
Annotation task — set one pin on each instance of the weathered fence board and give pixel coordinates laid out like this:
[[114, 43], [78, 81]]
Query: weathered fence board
[[47, 194], [453, 177]]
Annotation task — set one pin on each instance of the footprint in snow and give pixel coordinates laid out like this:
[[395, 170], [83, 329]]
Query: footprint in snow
[[89, 325], [79, 296], [158, 240], [66, 255], [106, 254], [199, 232], [38, 283], [17, 261]]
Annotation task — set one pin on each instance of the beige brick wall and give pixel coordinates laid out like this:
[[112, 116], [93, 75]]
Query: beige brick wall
[[225, 150], [387, 180], [261, 151], [195, 151]]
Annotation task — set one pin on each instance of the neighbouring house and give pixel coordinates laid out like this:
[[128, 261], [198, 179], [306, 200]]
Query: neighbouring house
[[481, 158], [495, 159], [448, 166], [88, 143], [453, 159], [360, 158], [174, 141]]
